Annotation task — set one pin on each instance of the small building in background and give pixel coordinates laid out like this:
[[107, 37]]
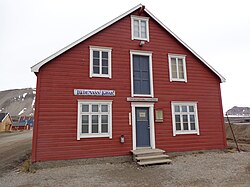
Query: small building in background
[[5, 122], [23, 123]]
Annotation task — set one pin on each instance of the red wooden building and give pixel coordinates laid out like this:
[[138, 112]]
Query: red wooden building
[[131, 83]]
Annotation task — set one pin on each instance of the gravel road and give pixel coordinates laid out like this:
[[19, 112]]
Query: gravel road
[[13, 148], [203, 169]]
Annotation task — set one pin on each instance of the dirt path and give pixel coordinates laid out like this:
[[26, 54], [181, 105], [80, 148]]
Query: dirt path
[[13, 149]]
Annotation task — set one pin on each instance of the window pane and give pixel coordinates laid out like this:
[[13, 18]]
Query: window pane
[[96, 54], [94, 123], [85, 108], [104, 55], [191, 108], [177, 118], [192, 119], [85, 128], [136, 28], [104, 108], [104, 119], [173, 68], [185, 126], [85, 119], [185, 122], [192, 126], [94, 108], [177, 108], [94, 128], [104, 62], [178, 126], [180, 68], [105, 70], [85, 123], [184, 108], [143, 29], [96, 62], [104, 128], [96, 70]]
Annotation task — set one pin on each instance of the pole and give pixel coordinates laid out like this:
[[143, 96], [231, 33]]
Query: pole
[[233, 134]]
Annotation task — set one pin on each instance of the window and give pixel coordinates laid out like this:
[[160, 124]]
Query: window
[[139, 28], [177, 68], [100, 62], [94, 119], [185, 118], [141, 74]]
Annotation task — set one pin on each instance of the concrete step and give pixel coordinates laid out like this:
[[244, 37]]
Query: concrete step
[[138, 152], [161, 156], [151, 162]]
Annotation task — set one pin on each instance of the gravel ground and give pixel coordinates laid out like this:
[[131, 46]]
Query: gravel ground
[[14, 148], [200, 169]]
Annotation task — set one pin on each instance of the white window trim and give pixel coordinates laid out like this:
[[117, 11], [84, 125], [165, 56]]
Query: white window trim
[[105, 49], [132, 27], [144, 53], [79, 125], [197, 131], [184, 67], [151, 122]]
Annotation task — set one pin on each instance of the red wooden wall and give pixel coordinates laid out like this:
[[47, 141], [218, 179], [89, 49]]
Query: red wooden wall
[[55, 127]]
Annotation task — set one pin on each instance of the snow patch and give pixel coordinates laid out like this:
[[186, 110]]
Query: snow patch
[[33, 103], [22, 111], [24, 95], [34, 91]]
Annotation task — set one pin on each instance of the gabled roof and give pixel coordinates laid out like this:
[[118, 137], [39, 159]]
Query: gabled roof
[[3, 116], [37, 66]]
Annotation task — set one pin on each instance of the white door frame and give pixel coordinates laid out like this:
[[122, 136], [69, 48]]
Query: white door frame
[[151, 122]]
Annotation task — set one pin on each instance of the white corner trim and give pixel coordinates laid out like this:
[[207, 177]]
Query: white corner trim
[[37, 66], [143, 53], [151, 122]]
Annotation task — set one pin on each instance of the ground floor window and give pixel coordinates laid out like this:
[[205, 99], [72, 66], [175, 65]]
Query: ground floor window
[[185, 118], [94, 119]]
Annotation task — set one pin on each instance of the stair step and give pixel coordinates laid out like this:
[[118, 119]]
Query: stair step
[[146, 151], [151, 157], [150, 162]]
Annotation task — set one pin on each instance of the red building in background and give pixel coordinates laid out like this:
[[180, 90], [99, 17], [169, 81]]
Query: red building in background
[[130, 84]]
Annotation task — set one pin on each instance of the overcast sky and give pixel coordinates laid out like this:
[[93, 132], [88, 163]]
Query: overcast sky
[[218, 30]]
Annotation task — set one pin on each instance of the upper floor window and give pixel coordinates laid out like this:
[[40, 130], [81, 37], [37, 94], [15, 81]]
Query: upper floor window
[[100, 62], [139, 28], [177, 67], [185, 118]]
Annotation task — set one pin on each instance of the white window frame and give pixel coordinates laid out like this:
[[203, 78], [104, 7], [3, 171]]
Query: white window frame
[[194, 104], [139, 18], [143, 53], [79, 123], [102, 49], [183, 57]]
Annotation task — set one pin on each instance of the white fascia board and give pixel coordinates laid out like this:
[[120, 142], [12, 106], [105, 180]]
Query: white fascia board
[[189, 48], [37, 66]]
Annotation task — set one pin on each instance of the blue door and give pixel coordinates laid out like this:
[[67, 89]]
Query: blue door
[[142, 127], [141, 75]]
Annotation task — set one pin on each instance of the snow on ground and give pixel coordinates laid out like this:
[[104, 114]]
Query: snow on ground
[[24, 95]]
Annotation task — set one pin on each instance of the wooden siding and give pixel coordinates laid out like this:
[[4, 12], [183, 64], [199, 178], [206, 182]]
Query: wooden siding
[[55, 130]]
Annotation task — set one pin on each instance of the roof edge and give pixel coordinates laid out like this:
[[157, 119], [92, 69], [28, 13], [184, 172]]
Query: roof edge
[[189, 48], [37, 66]]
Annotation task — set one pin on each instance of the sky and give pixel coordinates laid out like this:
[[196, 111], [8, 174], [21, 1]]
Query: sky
[[218, 30]]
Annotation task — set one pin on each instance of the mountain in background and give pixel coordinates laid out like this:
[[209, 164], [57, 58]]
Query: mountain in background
[[239, 111], [18, 102]]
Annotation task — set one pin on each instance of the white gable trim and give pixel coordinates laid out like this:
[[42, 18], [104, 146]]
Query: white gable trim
[[37, 66]]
